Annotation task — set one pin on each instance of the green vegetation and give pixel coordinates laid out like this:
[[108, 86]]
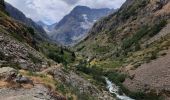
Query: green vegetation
[[116, 77], [157, 27], [133, 9], [58, 54], [144, 30], [31, 30], [135, 38], [94, 71], [34, 59], [101, 49], [17, 36]]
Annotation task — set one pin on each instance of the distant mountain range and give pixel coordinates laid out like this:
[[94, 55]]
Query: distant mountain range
[[47, 28], [75, 26], [18, 15]]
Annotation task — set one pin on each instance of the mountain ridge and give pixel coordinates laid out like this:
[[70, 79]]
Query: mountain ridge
[[18, 15], [74, 26]]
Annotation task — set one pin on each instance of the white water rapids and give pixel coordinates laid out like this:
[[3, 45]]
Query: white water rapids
[[115, 89]]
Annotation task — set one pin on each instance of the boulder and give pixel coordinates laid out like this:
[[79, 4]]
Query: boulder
[[7, 73], [23, 80]]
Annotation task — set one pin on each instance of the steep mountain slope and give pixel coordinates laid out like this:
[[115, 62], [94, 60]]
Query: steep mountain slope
[[30, 69], [74, 26], [2, 5], [137, 34], [18, 15]]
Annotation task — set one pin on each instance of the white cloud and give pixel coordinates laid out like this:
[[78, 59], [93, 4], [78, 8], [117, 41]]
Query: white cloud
[[51, 11]]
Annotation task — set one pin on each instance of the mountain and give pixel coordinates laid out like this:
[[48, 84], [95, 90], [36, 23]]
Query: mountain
[[47, 28], [74, 26], [18, 15], [31, 67], [133, 44]]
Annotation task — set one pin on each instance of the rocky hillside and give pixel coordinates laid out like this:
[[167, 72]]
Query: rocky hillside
[[127, 42], [74, 26], [32, 68], [18, 15]]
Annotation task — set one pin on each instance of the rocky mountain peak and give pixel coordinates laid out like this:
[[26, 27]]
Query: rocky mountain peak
[[74, 26]]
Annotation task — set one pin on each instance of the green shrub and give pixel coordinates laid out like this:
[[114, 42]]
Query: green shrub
[[31, 30], [34, 59], [94, 71], [157, 28], [144, 96], [56, 57], [133, 9], [135, 38], [116, 77]]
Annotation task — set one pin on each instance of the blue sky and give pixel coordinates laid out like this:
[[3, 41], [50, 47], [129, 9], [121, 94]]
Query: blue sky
[[51, 11]]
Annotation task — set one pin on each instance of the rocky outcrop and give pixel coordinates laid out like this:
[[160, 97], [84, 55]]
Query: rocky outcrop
[[7, 73], [79, 83], [20, 55]]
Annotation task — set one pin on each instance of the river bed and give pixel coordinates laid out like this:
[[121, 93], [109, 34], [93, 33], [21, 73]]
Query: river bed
[[115, 90]]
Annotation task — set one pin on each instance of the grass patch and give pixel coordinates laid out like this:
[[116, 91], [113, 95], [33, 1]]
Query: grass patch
[[40, 78]]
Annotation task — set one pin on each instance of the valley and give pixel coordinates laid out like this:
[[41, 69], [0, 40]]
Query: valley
[[90, 54]]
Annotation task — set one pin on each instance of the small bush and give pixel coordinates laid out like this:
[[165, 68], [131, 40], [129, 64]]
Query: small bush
[[34, 59], [31, 30], [157, 28], [116, 77], [56, 57], [135, 38], [144, 96]]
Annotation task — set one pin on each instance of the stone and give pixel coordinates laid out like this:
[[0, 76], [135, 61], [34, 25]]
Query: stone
[[23, 80], [1, 38], [7, 73]]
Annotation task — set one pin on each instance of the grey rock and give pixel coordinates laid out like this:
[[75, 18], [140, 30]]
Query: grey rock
[[6, 73]]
